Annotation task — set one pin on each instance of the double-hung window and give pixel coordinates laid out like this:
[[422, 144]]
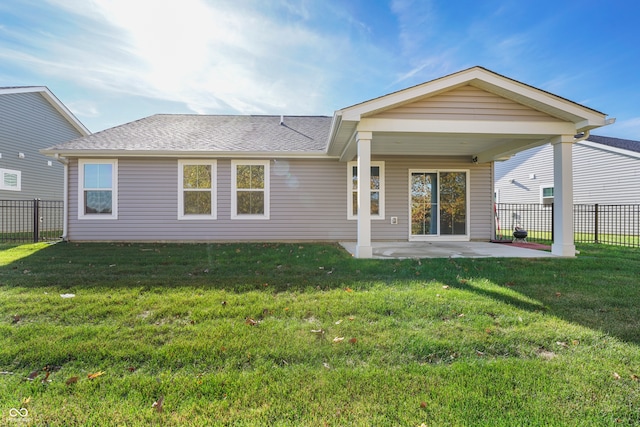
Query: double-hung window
[[376, 190], [98, 189], [10, 180], [250, 189], [196, 189]]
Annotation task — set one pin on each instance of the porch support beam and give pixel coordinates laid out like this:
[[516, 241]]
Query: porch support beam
[[363, 246], [473, 127], [563, 243]]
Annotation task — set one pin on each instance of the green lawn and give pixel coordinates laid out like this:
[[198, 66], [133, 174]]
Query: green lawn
[[305, 335]]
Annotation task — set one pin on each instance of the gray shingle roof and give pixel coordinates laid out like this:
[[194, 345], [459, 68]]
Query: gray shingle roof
[[210, 133], [626, 144]]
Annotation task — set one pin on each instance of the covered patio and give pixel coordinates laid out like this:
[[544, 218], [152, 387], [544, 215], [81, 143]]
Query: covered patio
[[473, 118]]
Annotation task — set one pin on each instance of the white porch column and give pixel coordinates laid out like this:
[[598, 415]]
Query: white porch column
[[563, 244], [363, 246]]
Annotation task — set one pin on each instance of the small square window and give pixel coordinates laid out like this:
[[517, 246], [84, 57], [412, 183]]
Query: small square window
[[10, 180], [546, 195]]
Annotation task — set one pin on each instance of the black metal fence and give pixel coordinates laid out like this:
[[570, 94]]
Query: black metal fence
[[31, 220], [595, 223]]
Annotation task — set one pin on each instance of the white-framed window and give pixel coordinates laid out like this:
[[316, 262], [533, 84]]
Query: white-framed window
[[10, 180], [546, 194], [376, 190], [97, 189], [197, 189], [250, 189]]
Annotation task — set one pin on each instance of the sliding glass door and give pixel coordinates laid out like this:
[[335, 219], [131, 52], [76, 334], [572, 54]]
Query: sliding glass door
[[438, 203]]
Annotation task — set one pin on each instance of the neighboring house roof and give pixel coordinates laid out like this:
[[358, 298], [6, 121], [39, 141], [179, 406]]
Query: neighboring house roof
[[623, 144], [52, 99], [170, 134]]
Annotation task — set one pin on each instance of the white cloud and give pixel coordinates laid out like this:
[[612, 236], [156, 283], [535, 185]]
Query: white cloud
[[213, 57], [83, 108]]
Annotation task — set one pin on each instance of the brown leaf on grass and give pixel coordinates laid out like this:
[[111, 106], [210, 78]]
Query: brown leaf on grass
[[509, 284], [131, 369], [348, 289], [157, 405], [423, 404], [95, 375], [249, 321], [353, 340], [33, 375], [558, 294], [635, 377], [616, 376], [72, 380], [15, 318]]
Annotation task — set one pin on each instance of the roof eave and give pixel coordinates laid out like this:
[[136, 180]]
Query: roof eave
[[183, 154]]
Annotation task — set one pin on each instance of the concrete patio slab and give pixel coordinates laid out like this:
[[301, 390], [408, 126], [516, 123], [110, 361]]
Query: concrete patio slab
[[403, 250]]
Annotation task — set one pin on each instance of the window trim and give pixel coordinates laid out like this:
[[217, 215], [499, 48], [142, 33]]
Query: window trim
[[213, 190], [18, 187], [114, 189], [546, 200], [266, 189], [351, 190]]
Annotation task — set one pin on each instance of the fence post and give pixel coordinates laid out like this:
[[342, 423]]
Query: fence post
[[595, 227], [36, 220]]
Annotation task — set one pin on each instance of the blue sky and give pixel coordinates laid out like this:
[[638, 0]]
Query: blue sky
[[114, 61]]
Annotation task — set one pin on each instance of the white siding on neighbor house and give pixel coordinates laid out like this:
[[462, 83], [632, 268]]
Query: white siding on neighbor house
[[29, 123], [308, 202], [599, 176], [467, 102]]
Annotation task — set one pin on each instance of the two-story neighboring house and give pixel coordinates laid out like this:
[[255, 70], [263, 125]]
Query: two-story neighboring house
[[605, 171], [32, 118]]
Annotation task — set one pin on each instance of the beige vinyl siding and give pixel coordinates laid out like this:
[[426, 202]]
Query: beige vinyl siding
[[29, 123], [599, 176], [308, 202], [466, 103]]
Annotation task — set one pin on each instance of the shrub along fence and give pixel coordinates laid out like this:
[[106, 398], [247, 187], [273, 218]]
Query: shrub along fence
[[31, 220], [592, 223]]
